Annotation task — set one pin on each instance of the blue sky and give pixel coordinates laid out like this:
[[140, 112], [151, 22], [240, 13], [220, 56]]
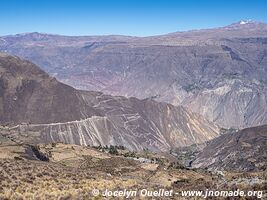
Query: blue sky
[[124, 17]]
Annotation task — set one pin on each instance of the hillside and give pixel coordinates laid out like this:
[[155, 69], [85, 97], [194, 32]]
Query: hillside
[[37, 108], [244, 150]]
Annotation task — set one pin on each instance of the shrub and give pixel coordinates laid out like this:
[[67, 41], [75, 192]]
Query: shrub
[[113, 150]]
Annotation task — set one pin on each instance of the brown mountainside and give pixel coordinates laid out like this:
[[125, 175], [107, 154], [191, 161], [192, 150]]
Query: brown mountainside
[[245, 150], [55, 112]]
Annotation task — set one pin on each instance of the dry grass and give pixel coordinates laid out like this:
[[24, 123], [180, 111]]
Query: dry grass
[[74, 171], [38, 180]]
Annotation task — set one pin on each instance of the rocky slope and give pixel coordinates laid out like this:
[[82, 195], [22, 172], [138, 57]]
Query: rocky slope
[[245, 150], [49, 111], [219, 73]]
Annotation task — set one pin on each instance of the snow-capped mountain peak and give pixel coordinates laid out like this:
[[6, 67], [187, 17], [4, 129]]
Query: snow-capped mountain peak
[[245, 21]]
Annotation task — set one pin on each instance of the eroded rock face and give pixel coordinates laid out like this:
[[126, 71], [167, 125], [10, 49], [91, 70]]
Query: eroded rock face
[[55, 112], [244, 150]]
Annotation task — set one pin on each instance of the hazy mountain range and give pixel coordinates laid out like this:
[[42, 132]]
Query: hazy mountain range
[[219, 73]]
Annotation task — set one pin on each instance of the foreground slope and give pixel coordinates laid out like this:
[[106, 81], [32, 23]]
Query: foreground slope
[[72, 172], [219, 73], [46, 110]]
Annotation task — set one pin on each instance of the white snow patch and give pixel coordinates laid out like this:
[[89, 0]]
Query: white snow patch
[[242, 22]]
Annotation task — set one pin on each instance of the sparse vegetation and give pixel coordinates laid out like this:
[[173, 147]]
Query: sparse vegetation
[[72, 172]]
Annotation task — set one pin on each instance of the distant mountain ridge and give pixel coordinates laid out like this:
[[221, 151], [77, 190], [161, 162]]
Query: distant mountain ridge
[[219, 73]]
